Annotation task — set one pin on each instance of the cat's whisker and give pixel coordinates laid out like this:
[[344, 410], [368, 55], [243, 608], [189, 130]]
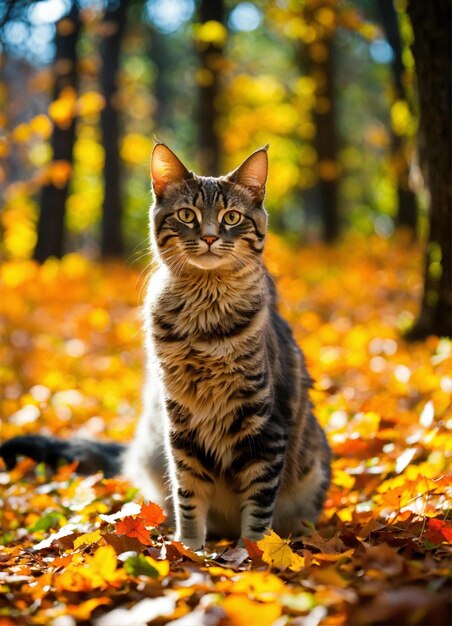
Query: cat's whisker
[[138, 253]]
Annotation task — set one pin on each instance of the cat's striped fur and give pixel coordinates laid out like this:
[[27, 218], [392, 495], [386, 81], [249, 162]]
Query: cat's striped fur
[[227, 431]]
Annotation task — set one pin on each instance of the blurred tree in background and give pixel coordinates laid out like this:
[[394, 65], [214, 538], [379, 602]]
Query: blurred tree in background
[[52, 206], [113, 23], [401, 141], [431, 49], [330, 84], [210, 35]]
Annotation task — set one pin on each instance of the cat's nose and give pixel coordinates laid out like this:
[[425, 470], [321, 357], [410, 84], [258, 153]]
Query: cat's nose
[[209, 239]]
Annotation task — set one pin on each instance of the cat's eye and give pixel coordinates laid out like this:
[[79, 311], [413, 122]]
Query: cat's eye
[[232, 218], [186, 215]]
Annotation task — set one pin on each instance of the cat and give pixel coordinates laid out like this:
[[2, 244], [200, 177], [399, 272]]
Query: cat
[[227, 433]]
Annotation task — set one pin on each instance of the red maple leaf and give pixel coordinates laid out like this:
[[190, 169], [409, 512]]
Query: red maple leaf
[[152, 514], [133, 527], [438, 531], [253, 549]]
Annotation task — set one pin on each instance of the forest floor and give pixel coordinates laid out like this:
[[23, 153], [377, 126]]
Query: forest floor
[[72, 365]]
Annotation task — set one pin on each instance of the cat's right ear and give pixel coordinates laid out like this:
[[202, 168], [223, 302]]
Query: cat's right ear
[[252, 173], [166, 168]]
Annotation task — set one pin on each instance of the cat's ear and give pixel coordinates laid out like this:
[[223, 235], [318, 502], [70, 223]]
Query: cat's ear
[[252, 173], [166, 168]]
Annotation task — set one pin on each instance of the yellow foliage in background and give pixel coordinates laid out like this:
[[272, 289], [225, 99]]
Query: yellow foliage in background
[[211, 32]]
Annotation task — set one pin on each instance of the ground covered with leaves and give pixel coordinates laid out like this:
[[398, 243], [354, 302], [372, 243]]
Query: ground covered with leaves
[[78, 550]]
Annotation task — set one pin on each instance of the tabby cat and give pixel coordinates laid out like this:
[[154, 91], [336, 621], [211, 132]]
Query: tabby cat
[[227, 429]]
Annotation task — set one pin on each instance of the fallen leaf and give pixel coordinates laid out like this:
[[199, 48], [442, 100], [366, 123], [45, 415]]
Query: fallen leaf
[[83, 610], [145, 565], [326, 546], [187, 552], [134, 527], [234, 557], [278, 553], [438, 531], [258, 585], [242, 612], [87, 539], [152, 514], [253, 549]]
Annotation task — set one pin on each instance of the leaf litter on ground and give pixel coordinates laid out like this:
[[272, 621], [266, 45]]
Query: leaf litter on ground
[[80, 550]]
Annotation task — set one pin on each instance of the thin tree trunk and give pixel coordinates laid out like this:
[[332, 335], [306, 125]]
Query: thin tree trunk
[[318, 58], [326, 142], [51, 229], [112, 244], [159, 52], [431, 23], [407, 209], [210, 56]]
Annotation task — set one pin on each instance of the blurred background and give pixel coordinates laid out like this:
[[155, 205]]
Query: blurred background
[[86, 86]]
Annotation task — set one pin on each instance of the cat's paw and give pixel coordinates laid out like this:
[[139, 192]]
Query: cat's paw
[[195, 543], [254, 537]]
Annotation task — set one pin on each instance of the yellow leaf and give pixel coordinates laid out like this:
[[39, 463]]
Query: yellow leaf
[[87, 539], [242, 611], [99, 570], [162, 567], [278, 553], [259, 585], [342, 479]]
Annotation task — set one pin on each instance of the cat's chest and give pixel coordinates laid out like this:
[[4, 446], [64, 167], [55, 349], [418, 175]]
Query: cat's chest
[[201, 349]]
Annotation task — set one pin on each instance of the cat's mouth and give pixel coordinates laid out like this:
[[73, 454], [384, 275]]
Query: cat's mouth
[[208, 260]]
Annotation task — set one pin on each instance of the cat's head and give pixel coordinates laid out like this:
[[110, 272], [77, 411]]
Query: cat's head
[[208, 223]]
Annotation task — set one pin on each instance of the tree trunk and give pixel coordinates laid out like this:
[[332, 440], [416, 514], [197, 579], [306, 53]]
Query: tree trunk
[[326, 142], [211, 57], [112, 244], [318, 58], [51, 228], [160, 55], [407, 210], [431, 23]]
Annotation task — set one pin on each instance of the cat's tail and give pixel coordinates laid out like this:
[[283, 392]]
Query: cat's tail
[[92, 456]]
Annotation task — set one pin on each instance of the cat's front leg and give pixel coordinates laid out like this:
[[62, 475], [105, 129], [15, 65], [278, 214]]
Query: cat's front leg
[[191, 494], [259, 483]]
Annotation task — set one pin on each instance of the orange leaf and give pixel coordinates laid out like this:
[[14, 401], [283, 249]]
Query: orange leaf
[[253, 549], [133, 527], [188, 552], [152, 514], [83, 611]]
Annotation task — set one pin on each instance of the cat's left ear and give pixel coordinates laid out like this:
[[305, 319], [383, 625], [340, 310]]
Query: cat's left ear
[[166, 168], [252, 173]]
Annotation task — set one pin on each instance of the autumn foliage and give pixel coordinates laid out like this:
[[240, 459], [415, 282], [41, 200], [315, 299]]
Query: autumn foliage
[[87, 549]]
